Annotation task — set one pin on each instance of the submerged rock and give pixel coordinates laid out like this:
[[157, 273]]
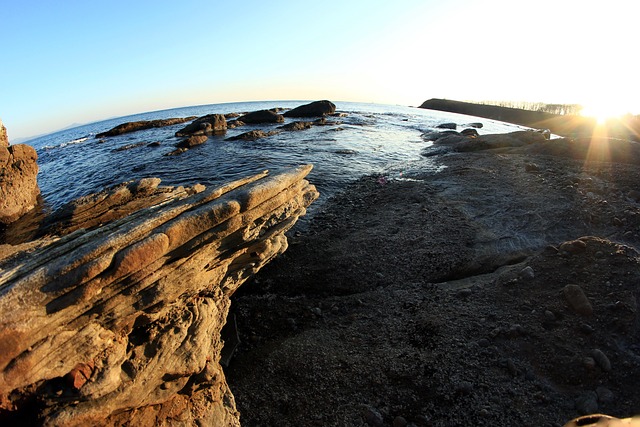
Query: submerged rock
[[124, 321], [252, 135]]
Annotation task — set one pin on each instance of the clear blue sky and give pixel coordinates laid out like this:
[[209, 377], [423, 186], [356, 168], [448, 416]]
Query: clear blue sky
[[80, 61]]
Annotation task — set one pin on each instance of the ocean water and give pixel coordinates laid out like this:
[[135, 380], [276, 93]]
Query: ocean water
[[370, 139]]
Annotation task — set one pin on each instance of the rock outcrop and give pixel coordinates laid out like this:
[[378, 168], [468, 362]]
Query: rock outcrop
[[142, 125], [121, 324], [4, 139], [205, 125], [18, 184], [262, 116], [313, 109]]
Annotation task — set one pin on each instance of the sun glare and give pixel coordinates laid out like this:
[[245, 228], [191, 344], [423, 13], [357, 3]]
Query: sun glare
[[602, 112]]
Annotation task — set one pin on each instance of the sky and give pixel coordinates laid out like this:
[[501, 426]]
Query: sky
[[73, 62]]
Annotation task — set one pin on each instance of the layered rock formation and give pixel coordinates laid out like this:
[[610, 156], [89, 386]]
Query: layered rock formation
[[121, 324], [18, 185]]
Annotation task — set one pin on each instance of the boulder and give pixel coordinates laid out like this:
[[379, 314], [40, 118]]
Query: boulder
[[120, 325], [192, 141], [142, 125], [19, 189], [313, 109], [205, 125], [262, 116]]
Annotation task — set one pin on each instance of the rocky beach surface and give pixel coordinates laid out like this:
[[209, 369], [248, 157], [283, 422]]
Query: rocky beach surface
[[500, 288]]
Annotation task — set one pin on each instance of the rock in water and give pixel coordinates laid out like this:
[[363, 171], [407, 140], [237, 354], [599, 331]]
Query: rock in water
[[19, 189], [262, 116], [205, 125], [129, 314], [142, 125], [313, 109]]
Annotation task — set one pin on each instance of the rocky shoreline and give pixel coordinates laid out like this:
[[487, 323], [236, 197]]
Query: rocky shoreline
[[500, 290]]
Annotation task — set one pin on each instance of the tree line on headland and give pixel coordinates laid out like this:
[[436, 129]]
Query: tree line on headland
[[560, 119]]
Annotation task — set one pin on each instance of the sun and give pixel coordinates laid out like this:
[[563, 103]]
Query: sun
[[603, 111]]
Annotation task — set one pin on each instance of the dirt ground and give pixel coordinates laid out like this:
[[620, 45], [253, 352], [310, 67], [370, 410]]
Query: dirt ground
[[442, 300]]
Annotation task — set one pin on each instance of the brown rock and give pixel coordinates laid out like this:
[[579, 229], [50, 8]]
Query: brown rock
[[144, 298], [205, 125], [296, 126], [577, 300], [192, 141], [18, 184], [4, 139]]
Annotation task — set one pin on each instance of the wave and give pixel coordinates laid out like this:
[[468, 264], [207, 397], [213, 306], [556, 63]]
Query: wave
[[64, 144]]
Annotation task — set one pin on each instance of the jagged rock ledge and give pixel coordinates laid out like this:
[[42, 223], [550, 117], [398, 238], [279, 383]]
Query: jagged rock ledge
[[121, 324]]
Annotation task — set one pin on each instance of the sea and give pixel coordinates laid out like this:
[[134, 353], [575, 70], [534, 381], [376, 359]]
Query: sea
[[368, 139]]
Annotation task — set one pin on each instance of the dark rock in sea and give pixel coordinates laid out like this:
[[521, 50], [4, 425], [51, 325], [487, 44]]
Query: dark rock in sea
[[476, 125], [261, 116], [313, 109], [176, 152], [470, 132], [447, 126], [296, 126], [192, 141], [232, 115], [142, 125], [130, 146], [252, 135], [205, 125], [154, 144]]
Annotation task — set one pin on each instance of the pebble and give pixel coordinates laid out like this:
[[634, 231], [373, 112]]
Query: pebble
[[399, 422], [317, 311], [605, 395], [577, 300], [589, 363], [527, 274], [513, 370], [372, 417], [587, 329], [587, 403], [463, 293], [483, 342], [548, 315], [602, 360], [464, 387], [573, 247]]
